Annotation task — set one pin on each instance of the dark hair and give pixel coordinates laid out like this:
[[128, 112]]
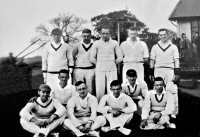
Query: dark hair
[[115, 83], [182, 34], [56, 32], [79, 83], [163, 29], [86, 31], [158, 79], [131, 73], [105, 27], [132, 28], [64, 71]]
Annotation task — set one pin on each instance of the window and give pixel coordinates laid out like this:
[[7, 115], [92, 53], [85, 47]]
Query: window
[[195, 27]]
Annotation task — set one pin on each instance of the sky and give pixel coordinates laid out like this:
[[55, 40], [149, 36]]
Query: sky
[[19, 18]]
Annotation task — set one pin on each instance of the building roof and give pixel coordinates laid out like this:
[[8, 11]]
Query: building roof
[[186, 9]]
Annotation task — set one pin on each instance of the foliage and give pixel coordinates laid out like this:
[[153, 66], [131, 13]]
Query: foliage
[[125, 18], [68, 23]]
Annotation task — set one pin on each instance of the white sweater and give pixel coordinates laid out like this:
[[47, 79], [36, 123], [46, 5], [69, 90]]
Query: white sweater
[[36, 108], [55, 59], [123, 102]]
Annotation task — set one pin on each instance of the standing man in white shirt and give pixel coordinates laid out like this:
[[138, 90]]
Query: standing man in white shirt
[[105, 54], [135, 53], [164, 62], [84, 68], [56, 56]]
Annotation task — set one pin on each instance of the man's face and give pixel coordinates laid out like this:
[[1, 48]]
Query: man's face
[[82, 90], [105, 34], [163, 36], [158, 85], [63, 77], [56, 38], [132, 34], [116, 90], [184, 36], [131, 80], [86, 37], [44, 95]]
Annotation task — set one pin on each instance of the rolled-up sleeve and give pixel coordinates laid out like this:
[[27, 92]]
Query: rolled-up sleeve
[[94, 105], [102, 108], [131, 106], [93, 54], [169, 106], [146, 107], [70, 109], [60, 109], [25, 113], [119, 54]]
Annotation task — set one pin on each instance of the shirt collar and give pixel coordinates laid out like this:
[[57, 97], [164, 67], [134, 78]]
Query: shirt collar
[[106, 41], [163, 92], [66, 87], [129, 39], [164, 44], [86, 98], [87, 44], [120, 96], [57, 45]]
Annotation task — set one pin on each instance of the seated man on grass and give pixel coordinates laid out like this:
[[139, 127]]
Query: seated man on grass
[[158, 107], [118, 108], [83, 119], [42, 114]]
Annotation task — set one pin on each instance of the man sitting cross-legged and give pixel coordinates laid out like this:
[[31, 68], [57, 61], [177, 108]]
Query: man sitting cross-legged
[[42, 114], [158, 106], [118, 108], [83, 119]]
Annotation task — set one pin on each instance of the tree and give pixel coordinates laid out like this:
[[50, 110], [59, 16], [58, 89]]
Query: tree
[[68, 23], [125, 18]]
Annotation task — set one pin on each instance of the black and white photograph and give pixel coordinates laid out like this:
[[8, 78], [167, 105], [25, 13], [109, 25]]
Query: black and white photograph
[[99, 68]]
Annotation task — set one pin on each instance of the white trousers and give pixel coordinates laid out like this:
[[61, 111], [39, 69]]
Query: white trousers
[[33, 128], [98, 122], [86, 75], [119, 121], [138, 67], [103, 80], [168, 75]]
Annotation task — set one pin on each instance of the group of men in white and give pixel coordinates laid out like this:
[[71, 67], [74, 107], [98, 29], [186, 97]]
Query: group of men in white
[[97, 100]]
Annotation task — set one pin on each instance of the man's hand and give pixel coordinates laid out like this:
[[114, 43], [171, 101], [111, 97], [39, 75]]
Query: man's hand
[[51, 119], [151, 74], [151, 78], [88, 126], [157, 117], [81, 128], [177, 72], [45, 80], [39, 123], [70, 70], [176, 79], [143, 123], [115, 111]]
